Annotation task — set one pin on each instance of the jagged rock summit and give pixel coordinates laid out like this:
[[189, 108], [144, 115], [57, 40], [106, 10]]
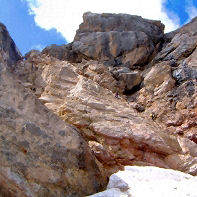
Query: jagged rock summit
[[122, 93], [115, 39], [8, 50]]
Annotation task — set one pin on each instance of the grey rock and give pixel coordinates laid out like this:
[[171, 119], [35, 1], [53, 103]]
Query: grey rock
[[118, 38], [114, 39], [120, 22], [9, 52], [63, 52], [111, 45], [35, 160], [180, 43], [184, 73], [130, 78]]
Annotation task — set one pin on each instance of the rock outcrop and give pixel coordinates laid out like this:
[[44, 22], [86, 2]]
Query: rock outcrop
[[170, 84], [118, 38], [114, 39], [121, 129], [40, 155], [150, 182], [126, 94], [8, 50]]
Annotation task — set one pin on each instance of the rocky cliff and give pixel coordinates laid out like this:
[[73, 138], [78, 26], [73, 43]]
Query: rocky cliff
[[40, 155], [122, 93]]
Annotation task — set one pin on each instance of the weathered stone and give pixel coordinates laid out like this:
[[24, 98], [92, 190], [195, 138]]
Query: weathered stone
[[35, 158], [130, 78], [159, 79], [42, 155], [113, 128], [120, 22], [180, 43], [134, 47], [184, 73], [118, 38], [63, 52], [68, 154], [8, 51], [170, 93]]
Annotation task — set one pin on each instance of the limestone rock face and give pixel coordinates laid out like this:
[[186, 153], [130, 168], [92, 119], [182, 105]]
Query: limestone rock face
[[114, 39], [120, 22], [118, 38], [127, 96], [151, 182], [40, 155], [169, 90], [63, 52], [85, 95]]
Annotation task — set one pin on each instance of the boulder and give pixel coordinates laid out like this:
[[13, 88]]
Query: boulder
[[114, 39], [149, 182], [130, 48], [130, 78], [40, 154], [107, 22], [118, 38], [62, 52]]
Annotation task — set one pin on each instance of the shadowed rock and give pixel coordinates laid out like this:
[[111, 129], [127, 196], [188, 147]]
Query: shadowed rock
[[9, 52]]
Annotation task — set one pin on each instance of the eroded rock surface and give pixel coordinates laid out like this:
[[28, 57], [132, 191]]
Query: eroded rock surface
[[169, 90], [40, 155], [131, 94], [85, 95], [8, 50], [114, 39], [118, 38]]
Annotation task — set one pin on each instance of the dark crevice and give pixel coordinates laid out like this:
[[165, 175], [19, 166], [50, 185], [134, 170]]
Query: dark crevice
[[133, 90]]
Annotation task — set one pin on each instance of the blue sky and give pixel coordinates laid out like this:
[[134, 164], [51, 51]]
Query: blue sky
[[181, 8], [23, 29], [35, 24]]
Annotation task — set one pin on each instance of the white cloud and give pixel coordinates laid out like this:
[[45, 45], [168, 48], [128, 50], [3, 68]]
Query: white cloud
[[39, 47], [191, 10], [66, 15]]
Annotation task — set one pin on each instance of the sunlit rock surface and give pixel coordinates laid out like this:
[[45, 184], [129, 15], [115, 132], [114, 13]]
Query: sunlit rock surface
[[40, 155], [126, 95]]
